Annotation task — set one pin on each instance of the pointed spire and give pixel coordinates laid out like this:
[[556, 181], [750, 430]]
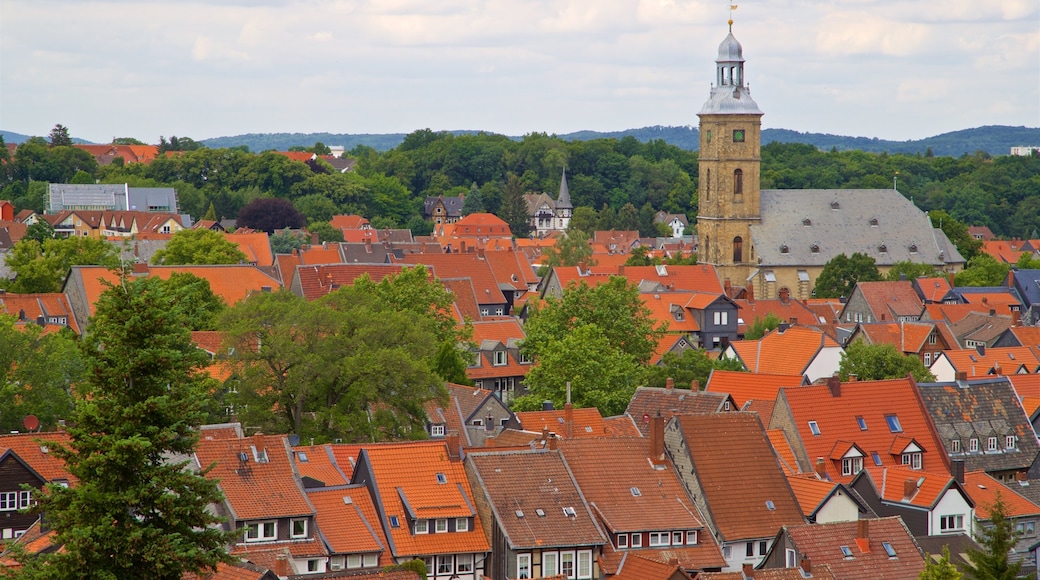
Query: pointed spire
[[564, 199]]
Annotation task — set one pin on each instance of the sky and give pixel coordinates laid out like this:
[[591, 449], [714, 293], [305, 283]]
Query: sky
[[888, 69]]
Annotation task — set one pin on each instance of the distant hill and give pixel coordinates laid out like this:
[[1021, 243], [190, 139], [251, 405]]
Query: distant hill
[[12, 137], [993, 139]]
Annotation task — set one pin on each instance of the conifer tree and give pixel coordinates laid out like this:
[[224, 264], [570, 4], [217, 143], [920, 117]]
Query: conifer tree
[[136, 510], [997, 540]]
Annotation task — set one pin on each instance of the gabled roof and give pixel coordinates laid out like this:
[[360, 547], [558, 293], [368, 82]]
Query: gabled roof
[[348, 521], [813, 492], [511, 268], [1009, 359], [913, 487], [738, 475], [888, 410], [34, 450], [316, 281], [1006, 251], [253, 487], [696, 278], [405, 484], [669, 308], [819, 572], [349, 222], [932, 289], [520, 483], [984, 489], [907, 337], [649, 402], [319, 463], [889, 300], [256, 246], [790, 311], [981, 409], [640, 566], [34, 306], [823, 543], [980, 327], [462, 266], [586, 422], [785, 352], [745, 386]]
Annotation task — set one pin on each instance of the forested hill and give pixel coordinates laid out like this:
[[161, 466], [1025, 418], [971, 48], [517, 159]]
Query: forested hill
[[993, 139]]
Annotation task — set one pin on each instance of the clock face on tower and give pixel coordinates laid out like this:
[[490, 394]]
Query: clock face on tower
[[738, 135]]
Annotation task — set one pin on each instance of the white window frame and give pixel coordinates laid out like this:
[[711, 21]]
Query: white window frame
[[353, 561], [8, 501], [256, 531], [464, 563], [912, 459], [550, 563], [370, 560], [721, 318], [565, 559], [437, 430], [791, 558], [660, 539], [951, 523], [445, 565], [636, 540], [523, 566], [461, 524], [692, 537], [677, 538], [973, 445], [584, 567], [421, 526], [991, 444], [621, 540], [955, 446], [292, 528], [501, 358], [851, 465], [440, 526], [1010, 442]]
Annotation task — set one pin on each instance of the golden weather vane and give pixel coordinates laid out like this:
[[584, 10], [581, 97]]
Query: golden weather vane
[[732, 7]]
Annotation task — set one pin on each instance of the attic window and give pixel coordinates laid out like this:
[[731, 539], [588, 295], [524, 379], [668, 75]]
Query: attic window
[[635, 491], [519, 513], [913, 248], [441, 478], [893, 424], [815, 248], [770, 505], [569, 512], [845, 551], [1011, 355], [862, 423], [806, 222], [873, 222], [889, 549], [784, 249], [302, 456], [835, 205], [540, 512], [814, 427], [394, 522], [876, 457], [883, 249]]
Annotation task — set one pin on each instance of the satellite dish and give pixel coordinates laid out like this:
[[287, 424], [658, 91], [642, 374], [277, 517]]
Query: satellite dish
[[294, 440], [31, 422]]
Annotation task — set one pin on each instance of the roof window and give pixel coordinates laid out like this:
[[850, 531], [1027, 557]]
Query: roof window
[[635, 491], [394, 522], [815, 248], [889, 549], [770, 505], [893, 424], [862, 423], [569, 512], [519, 513], [441, 478], [806, 222], [845, 551], [814, 427]]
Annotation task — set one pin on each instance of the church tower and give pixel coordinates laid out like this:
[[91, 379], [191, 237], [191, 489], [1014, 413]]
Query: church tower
[[729, 166]]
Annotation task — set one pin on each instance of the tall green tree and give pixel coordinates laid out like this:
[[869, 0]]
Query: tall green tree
[[997, 538], [760, 326], [570, 250], [690, 365], [42, 267], [202, 308], [983, 270], [136, 512], [874, 362], [842, 272], [37, 372], [198, 247], [513, 208], [59, 136], [957, 232], [911, 270], [941, 569]]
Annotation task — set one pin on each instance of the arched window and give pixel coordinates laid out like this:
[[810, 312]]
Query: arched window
[[738, 181], [738, 250]]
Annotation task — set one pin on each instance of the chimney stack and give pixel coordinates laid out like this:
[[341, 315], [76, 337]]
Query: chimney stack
[[909, 488], [750, 293], [957, 470], [657, 439], [806, 566], [961, 376], [748, 570], [821, 468], [452, 440], [834, 384], [863, 535], [669, 384]]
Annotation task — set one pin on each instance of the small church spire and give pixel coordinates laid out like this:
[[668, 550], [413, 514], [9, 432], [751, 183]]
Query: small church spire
[[563, 201]]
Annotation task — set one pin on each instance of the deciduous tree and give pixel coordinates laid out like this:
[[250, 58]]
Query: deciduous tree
[[760, 326], [842, 272], [37, 373], [136, 512], [198, 247], [690, 365], [941, 569], [42, 267], [874, 362], [268, 214], [983, 270]]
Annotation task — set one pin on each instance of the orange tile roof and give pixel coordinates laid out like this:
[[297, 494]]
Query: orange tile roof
[[634, 566], [784, 453], [983, 490], [301, 156], [668, 309], [255, 490], [347, 519], [208, 340], [465, 305], [235, 571], [934, 289], [892, 483], [745, 386], [519, 483], [36, 305], [698, 278], [463, 266], [256, 246], [31, 447], [500, 330], [740, 477], [349, 222], [621, 426], [811, 491], [1004, 251], [407, 472], [954, 313], [320, 254], [587, 422], [791, 311], [1026, 386], [318, 462], [784, 353], [762, 407], [232, 282], [890, 299], [511, 268], [819, 572], [318, 280], [1008, 359], [873, 401]]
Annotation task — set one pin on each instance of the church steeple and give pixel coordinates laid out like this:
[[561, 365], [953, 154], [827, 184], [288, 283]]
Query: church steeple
[[563, 201], [729, 168]]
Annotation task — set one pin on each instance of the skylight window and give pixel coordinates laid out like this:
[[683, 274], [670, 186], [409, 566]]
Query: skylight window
[[394, 522], [862, 423], [889, 549], [540, 512], [845, 551], [635, 491], [814, 428], [569, 512], [302, 456], [893, 424], [441, 478], [876, 457], [519, 513], [770, 505]]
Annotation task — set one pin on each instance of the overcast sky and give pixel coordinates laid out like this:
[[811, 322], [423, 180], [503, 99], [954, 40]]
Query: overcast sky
[[889, 69]]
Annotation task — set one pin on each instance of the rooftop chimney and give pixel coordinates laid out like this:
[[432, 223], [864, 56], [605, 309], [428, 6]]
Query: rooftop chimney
[[957, 470], [748, 570], [821, 467], [909, 488], [863, 535], [281, 566], [695, 385], [140, 268], [657, 439], [548, 406], [568, 420], [669, 384], [806, 566], [834, 384], [961, 376], [750, 293], [452, 440]]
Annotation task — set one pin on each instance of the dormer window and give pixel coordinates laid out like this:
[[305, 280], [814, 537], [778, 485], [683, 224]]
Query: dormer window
[[298, 528], [1010, 441], [807, 222], [784, 249], [991, 444], [835, 205], [883, 249], [436, 430], [262, 531], [501, 358], [422, 526], [912, 460], [815, 248], [873, 222]]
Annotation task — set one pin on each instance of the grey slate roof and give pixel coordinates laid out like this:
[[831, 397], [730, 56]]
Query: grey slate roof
[[846, 221], [980, 409]]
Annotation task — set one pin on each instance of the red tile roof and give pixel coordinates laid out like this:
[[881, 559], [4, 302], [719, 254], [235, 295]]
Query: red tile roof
[[256, 247], [1008, 359], [318, 462], [317, 281], [34, 450], [463, 266], [983, 489], [349, 222], [739, 478], [784, 353], [49, 305], [1004, 251], [811, 491], [933, 289], [925, 488], [698, 278], [822, 543], [585, 422], [634, 566], [255, 489], [745, 386], [649, 402], [790, 311], [348, 521], [889, 300]]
